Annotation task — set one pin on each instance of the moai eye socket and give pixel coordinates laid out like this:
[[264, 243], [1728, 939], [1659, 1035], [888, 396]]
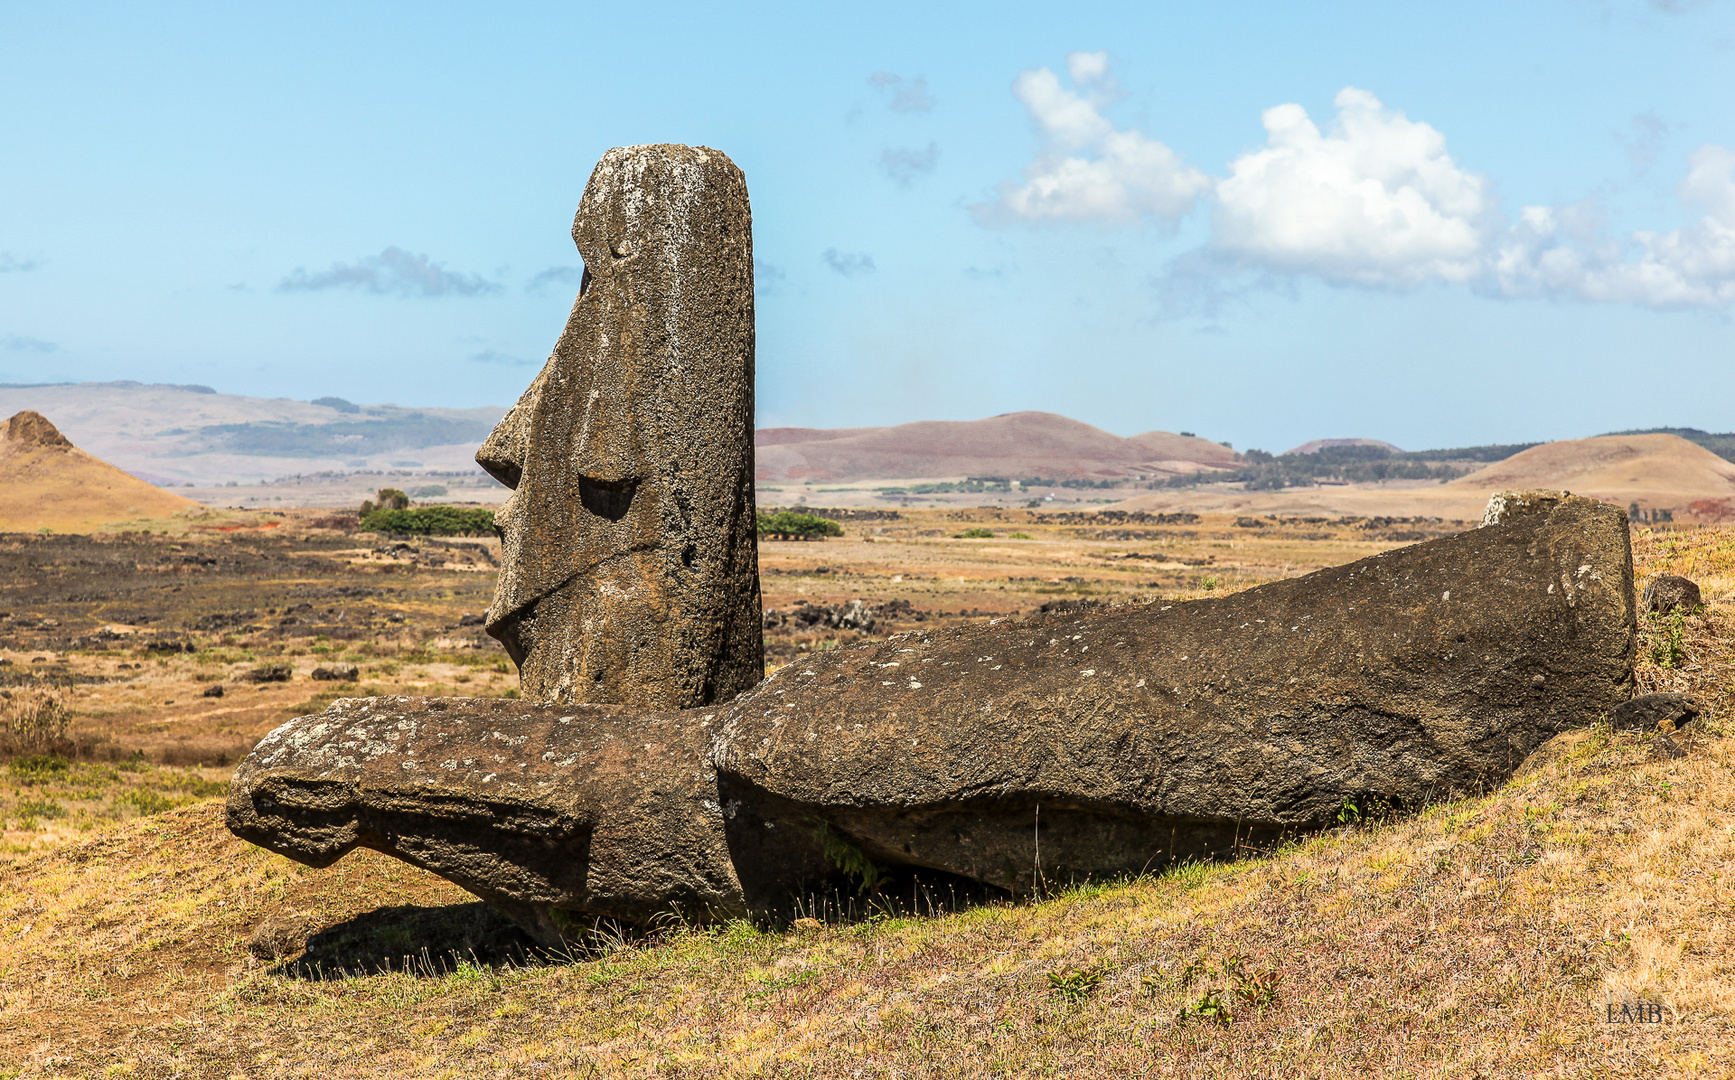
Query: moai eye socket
[[607, 498]]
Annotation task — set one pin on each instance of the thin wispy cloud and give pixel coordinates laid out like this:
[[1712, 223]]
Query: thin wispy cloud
[[1644, 140], [849, 264], [494, 356], [11, 264], [393, 271], [766, 273], [568, 277], [906, 96], [905, 165], [25, 343]]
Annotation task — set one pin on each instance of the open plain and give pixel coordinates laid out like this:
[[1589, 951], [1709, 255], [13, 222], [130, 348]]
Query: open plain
[[1483, 936]]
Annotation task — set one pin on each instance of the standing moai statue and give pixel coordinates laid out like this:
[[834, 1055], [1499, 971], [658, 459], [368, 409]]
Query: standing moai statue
[[629, 571]]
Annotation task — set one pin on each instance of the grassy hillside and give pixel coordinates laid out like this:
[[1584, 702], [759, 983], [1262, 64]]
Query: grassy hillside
[[1723, 445], [1483, 937]]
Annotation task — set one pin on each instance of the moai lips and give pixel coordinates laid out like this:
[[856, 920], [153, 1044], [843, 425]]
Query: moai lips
[[630, 570]]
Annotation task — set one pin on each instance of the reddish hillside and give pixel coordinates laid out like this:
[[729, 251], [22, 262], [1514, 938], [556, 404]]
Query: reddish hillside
[[1017, 444]]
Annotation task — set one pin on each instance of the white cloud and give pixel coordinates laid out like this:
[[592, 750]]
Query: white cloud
[[1087, 67], [1545, 255], [1087, 169], [1710, 182], [1376, 201]]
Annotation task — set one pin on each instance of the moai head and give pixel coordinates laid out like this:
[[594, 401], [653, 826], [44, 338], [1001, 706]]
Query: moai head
[[629, 573]]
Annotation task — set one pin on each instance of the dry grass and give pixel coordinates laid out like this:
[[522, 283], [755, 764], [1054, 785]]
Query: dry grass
[[1484, 937]]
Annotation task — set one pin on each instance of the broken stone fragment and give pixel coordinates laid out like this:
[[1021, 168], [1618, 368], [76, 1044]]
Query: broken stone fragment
[[629, 570], [1057, 747]]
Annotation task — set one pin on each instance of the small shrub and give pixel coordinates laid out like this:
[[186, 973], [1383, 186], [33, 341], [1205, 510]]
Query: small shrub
[[1019, 536], [42, 808], [1668, 647], [790, 525], [33, 721], [1257, 989], [1076, 983], [146, 802], [40, 768], [848, 858], [389, 499], [976, 534], [1210, 1008], [1234, 980], [431, 521]]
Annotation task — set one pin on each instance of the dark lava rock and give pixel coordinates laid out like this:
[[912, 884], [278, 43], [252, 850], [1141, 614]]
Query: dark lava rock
[[214, 690], [269, 673], [1118, 740], [855, 615], [343, 673], [1652, 712], [1671, 592]]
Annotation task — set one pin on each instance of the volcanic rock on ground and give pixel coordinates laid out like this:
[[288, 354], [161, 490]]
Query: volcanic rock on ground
[[1654, 712], [1667, 592], [1110, 742]]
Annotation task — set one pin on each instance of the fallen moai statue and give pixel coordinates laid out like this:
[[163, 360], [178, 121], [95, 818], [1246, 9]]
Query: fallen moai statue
[[1062, 746]]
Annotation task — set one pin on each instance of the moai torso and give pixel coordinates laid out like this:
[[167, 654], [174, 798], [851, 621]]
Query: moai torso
[[629, 570]]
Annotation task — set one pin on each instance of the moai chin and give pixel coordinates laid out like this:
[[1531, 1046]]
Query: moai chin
[[629, 572]]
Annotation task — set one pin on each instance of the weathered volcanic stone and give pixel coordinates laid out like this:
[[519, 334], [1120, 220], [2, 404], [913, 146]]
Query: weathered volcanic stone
[[33, 429], [1654, 712], [1667, 592], [630, 573], [1117, 740]]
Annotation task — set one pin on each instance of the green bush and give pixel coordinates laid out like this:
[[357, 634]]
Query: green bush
[[787, 524], [976, 534], [431, 521]]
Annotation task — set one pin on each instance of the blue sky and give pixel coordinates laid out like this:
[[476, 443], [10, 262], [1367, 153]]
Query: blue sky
[[1435, 224]]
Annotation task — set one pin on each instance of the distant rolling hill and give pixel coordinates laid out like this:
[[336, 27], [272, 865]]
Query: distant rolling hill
[[1658, 472], [48, 483], [192, 435], [1653, 470], [1015, 445]]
